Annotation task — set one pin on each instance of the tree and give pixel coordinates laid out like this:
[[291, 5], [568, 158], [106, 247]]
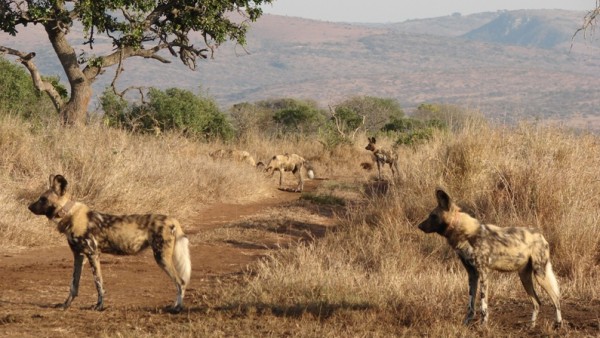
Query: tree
[[377, 111], [139, 28], [302, 117]]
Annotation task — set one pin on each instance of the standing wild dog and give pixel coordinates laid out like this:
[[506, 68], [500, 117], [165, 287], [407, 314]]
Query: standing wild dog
[[293, 163], [482, 247], [89, 233], [237, 155], [383, 156]]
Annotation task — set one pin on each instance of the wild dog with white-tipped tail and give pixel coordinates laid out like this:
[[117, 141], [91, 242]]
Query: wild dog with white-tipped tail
[[90, 232], [293, 163], [484, 247]]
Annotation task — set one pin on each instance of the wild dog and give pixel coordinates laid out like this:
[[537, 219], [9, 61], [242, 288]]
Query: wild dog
[[237, 155], [382, 156], [482, 247], [293, 163], [90, 232]]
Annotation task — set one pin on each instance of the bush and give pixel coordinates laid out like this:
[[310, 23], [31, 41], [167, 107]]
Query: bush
[[19, 96], [378, 111], [299, 117], [170, 110], [412, 131], [449, 116], [275, 118]]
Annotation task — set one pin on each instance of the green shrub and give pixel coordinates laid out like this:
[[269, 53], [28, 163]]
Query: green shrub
[[377, 111], [170, 110], [412, 131], [278, 117], [299, 117], [18, 95], [452, 117]]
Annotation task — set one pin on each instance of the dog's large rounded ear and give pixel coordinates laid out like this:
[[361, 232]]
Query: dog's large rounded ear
[[58, 184], [372, 140], [443, 199]]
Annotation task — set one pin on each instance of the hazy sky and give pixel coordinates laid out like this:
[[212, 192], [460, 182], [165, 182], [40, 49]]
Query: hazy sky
[[400, 10]]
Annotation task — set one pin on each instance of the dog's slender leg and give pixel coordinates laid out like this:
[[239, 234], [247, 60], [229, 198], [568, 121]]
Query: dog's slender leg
[[94, 260], [300, 179], [77, 266], [473, 281], [545, 277], [164, 259], [280, 177], [526, 275], [483, 293]]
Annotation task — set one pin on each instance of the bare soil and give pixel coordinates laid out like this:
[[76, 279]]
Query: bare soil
[[33, 282]]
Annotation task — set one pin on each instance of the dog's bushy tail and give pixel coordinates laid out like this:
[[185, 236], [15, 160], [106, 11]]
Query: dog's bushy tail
[[310, 170], [181, 258], [552, 278]]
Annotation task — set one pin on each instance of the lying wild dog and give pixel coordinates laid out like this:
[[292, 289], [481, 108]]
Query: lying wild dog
[[294, 163], [237, 155], [482, 247], [90, 232], [383, 156]]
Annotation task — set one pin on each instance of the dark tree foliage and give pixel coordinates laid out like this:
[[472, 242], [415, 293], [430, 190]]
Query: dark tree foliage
[[187, 29]]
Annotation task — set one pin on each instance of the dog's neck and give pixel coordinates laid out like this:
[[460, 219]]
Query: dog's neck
[[461, 228], [65, 209]]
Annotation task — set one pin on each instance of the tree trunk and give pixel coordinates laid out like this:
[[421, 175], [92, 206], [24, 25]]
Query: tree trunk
[[73, 112]]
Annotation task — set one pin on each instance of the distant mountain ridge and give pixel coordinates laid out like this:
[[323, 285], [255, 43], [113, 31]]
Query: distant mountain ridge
[[542, 29], [508, 64]]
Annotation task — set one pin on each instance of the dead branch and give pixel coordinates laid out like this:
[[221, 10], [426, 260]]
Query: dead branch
[[26, 59], [364, 118], [122, 93], [589, 22], [340, 125], [91, 71]]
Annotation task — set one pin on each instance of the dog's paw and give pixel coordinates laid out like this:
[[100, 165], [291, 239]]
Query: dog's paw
[[175, 309], [98, 307], [62, 306]]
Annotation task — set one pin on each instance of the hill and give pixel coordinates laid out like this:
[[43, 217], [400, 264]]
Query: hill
[[516, 64]]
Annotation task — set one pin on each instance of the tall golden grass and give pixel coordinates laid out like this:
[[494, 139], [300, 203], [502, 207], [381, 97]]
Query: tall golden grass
[[526, 175], [112, 171]]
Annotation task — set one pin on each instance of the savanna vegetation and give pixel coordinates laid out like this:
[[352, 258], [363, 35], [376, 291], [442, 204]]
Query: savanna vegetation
[[188, 30], [374, 274]]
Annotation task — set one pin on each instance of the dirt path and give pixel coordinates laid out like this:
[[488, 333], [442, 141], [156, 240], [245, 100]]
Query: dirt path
[[32, 282]]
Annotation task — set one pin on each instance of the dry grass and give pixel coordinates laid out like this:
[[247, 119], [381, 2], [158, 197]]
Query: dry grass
[[530, 175], [376, 275], [112, 171]]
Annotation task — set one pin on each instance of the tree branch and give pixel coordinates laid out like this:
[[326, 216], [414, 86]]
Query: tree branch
[[92, 71], [39, 83], [589, 21], [113, 84]]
